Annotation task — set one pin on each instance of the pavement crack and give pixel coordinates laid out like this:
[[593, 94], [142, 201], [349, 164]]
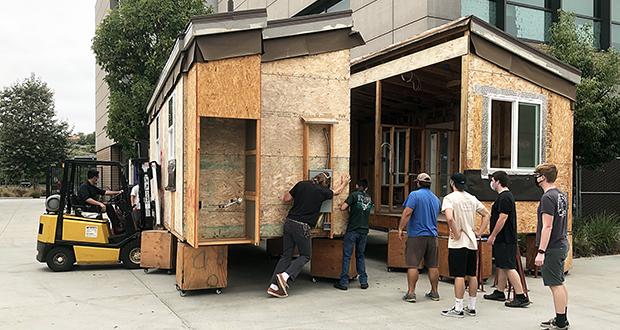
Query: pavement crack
[[185, 323]]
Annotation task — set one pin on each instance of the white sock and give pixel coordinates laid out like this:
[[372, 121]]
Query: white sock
[[286, 276], [274, 287], [472, 303], [458, 305]]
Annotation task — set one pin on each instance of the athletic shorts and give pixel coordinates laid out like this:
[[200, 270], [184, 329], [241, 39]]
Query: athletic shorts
[[462, 262], [505, 255], [553, 268], [422, 248]]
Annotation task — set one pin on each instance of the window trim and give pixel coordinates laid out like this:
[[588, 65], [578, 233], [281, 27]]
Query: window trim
[[514, 152], [171, 132], [157, 136]]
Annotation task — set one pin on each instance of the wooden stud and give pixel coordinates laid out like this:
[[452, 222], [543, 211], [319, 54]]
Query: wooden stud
[[306, 147], [391, 157], [464, 109], [378, 139], [407, 161], [257, 202]]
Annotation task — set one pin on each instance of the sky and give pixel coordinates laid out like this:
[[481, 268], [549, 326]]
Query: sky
[[52, 39]]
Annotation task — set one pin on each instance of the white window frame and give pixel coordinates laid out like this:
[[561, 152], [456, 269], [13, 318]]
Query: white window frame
[[157, 137], [171, 137], [514, 131]]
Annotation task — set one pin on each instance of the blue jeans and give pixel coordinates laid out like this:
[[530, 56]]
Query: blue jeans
[[358, 240]]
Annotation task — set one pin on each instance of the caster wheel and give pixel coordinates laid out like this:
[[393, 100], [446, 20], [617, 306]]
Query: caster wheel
[[146, 270], [389, 269], [169, 272], [177, 287], [314, 280], [218, 291], [182, 293]]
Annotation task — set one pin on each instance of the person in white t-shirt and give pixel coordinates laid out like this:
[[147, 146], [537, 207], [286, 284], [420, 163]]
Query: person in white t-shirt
[[135, 203], [461, 208]]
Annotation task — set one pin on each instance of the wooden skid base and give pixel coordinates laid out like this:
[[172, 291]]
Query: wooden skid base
[[487, 256], [201, 268], [157, 249], [327, 259]]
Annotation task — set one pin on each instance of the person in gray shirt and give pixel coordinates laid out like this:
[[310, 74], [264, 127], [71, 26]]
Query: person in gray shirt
[[552, 242]]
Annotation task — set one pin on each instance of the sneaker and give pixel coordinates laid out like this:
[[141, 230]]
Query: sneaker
[[282, 283], [432, 295], [470, 312], [496, 295], [518, 302], [549, 325], [364, 286], [277, 293], [453, 313], [337, 285], [409, 297]]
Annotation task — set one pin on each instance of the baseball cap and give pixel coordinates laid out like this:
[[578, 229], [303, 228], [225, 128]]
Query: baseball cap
[[423, 177], [458, 178]]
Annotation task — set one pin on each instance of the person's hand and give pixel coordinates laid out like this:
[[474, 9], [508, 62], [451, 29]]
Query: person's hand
[[540, 259], [401, 235], [345, 179], [102, 207], [455, 235], [491, 239]]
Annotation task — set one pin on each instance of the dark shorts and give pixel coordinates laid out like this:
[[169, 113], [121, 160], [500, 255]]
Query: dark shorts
[[422, 248], [462, 262], [505, 255], [553, 268]]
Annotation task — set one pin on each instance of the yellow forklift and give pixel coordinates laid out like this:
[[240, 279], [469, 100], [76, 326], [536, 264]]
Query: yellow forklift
[[69, 235]]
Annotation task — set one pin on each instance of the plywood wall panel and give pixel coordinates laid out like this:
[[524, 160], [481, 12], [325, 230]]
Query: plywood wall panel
[[229, 88], [190, 156]]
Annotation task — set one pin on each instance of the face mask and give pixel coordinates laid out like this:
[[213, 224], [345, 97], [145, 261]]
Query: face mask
[[491, 185], [536, 182]]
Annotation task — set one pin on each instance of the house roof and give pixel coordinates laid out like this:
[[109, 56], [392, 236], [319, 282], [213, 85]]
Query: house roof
[[493, 45]]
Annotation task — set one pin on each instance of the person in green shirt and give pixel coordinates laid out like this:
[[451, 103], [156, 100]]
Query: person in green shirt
[[359, 204]]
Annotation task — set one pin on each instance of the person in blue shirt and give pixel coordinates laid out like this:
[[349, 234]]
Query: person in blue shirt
[[420, 217]]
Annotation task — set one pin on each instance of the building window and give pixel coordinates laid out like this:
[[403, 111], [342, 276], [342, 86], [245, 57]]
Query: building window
[[515, 130], [529, 19], [157, 148], [171, 141], [325, 6], [483, 9], [588, 12]]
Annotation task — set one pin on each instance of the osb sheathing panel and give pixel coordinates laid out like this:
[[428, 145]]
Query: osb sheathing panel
[[229, 88], [313, 87], [222, 178], [190, 164], [558, 139]]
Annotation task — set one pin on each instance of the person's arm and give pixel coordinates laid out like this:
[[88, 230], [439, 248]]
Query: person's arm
[[486, 218], [112, 192], [344, 181], [134, 201], [344, 206], [455, 232], [95, 202], [545, 235], [287, 197], [404, 219], [501, 221]]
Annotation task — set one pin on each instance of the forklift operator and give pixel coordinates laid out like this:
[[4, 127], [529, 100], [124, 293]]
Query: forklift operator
[[89, 190]]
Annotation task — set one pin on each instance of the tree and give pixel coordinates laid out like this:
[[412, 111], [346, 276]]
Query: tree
[[597, 107], [132, 45], [30, 137]]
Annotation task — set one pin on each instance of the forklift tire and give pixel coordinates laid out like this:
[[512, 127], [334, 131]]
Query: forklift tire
[[130, 254], [60, 259]]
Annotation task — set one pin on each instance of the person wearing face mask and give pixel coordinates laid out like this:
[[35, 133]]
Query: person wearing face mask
[[504, 240], [552, 242], [307, 197]]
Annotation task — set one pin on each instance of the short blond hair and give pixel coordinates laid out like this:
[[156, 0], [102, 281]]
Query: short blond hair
[[550, 171]]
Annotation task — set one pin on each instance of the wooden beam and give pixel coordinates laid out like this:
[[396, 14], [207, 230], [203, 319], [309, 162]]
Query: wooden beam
[[407, 161], [436, 54], [465, 60], [306, 147], [378, 139], [391, 170]]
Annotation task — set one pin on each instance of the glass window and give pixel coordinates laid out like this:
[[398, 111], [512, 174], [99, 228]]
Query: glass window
[[581, 7], [171, 142], [615, 36], [596, 29], [340, 6], [527, 23], [615, 10], [483, 9], [529, 137], [501, 127]]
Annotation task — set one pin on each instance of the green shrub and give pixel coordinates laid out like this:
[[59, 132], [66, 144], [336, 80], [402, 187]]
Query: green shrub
[[596, 235], [35, 194]]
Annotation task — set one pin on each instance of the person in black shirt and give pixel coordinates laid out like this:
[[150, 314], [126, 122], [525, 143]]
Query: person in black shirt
[[88, 192], [307, 197], [504, 240]]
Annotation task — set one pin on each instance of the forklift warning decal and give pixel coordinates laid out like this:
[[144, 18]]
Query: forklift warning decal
[[91, 232]]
